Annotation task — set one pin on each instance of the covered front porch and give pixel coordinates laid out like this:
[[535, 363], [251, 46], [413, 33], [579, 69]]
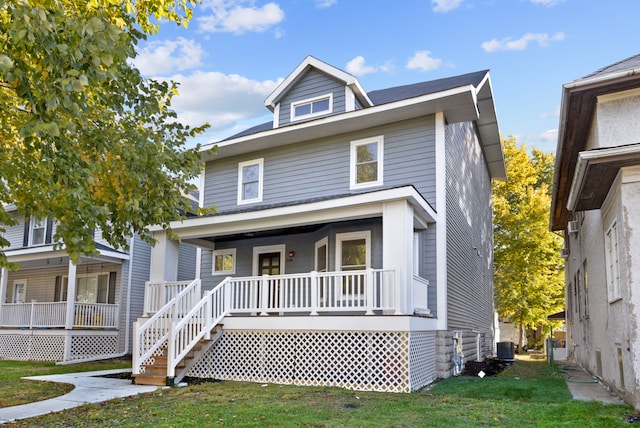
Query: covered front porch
[[54, 310]]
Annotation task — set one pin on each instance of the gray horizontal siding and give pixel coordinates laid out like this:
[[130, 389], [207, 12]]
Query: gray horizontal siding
[[320, 168], [313, 84], [469, 232]]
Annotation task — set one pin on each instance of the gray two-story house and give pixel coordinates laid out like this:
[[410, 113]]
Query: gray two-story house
[[54, 310], [352, 243]]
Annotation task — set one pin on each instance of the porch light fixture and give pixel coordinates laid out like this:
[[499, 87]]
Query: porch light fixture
[[292, 254]]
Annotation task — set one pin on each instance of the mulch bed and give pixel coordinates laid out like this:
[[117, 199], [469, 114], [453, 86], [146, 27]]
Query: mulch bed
[[490, 367]]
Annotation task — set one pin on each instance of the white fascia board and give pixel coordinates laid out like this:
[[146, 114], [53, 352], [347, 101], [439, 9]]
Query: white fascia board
[[350, 207], [583, 161], [458, 104], [333, 323]]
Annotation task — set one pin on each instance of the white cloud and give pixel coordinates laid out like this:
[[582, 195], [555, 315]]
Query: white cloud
[[168, 56], [219, 99], [553, 114], [548, 3], [239, 16], [357, 67], [323, 4], [423, 61], [507, 44], [445, 5]]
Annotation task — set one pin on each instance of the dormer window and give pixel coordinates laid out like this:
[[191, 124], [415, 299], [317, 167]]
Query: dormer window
[[312, 107]]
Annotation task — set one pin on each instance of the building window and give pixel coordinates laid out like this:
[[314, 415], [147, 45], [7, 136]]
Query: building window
[[37, 231], [224, 261], [353, 253], [89, 288], [250, 181], [20, 291], [611, 260], [312, 107], [366, 162]]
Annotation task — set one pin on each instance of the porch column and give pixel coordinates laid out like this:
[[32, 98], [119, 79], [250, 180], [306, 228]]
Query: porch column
[[71, 295], [4, 276], [164, 258], [397, 250]]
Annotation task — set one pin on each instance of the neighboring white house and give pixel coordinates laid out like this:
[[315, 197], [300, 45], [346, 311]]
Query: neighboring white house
[[596, 202], [352, 243], [54, 310]]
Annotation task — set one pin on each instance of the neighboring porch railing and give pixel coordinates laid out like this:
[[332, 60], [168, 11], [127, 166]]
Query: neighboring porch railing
[[54, 315]]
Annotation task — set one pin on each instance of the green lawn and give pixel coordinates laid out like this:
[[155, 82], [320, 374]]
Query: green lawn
[[524, 395], [15, 391]]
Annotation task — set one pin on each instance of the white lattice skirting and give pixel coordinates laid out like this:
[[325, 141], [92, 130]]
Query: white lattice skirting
[[29, 346], [359, 360]]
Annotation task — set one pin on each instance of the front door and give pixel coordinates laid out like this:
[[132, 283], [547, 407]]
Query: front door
[[269, 264]]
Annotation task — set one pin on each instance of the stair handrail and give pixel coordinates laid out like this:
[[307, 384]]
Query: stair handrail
[[185, 334], [157, 328]]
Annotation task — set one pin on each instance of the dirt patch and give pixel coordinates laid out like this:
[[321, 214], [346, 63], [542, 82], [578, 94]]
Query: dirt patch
[[490, 367]]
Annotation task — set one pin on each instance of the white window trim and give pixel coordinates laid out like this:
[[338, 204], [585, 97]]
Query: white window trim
[[15, 283], [324, 241], [613, 278], [354, 157], [260, 163], [350, 236], [311, 101], [229, 251]]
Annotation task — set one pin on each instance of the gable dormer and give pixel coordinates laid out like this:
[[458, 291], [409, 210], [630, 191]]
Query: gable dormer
[[315, 89]]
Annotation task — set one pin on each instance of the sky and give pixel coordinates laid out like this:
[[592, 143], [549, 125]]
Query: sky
[[235, 52]]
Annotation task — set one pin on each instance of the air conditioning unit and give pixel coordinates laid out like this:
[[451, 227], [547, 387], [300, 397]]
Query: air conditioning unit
[[564, 253], [572, 227]]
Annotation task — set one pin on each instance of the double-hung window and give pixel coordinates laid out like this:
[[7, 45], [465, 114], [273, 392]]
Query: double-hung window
[[612, 262], [366, 162], [311, 107], [250, 175], [37, 231], [224, 261]]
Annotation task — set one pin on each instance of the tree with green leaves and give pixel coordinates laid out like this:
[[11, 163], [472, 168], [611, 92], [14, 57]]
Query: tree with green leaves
[[86, 139], [529, 275]]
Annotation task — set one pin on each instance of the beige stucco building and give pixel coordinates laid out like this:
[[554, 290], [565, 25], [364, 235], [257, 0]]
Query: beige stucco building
[[596, 203]]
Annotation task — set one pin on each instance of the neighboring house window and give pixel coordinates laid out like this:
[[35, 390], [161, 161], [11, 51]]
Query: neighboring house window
[[37, 231], [89, 288], [250, 181], [224, 261], [19, 291], [312, 107], [612, 264], [366, 162]]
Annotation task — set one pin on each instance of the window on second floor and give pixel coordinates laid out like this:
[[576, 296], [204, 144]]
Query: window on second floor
[[250, 181], [37, 231], [366, 162], [312, 107]]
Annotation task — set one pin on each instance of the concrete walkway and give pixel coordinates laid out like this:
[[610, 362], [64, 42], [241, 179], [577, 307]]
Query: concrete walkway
[[585, 387], [89, 388]]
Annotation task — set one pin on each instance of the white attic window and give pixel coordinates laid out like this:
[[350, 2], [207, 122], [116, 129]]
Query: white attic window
[[312, 107]]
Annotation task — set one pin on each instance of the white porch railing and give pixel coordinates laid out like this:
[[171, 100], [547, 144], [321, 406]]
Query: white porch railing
[[421, 296], [178, 329], [153, 334], [314, 292], [54, 315], [158, 294]]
